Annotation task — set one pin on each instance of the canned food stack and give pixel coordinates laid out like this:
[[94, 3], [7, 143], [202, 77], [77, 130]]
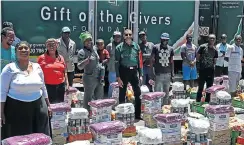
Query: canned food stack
[[148, 136], [170, 126], [78, 123], [151, 105], [180, 106], [101, 110], [126, 114], [223, 98], [198, 130], [178, 91], [218, 80], [107, 133], [58, 122], [213, 90], [219, 116], [31, 139]]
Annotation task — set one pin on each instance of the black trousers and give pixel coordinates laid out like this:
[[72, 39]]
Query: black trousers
[[128, 75], [219, 71], [56, 93], [70, 78], [205, 75], [23, 118]]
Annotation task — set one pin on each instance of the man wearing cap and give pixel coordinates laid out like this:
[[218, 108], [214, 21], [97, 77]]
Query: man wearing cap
[[111, 64], [9, 24], [221, 67], [88, 59], [207, 55], [128, 63], [163, 64], [146, 48], [188, 55], [67, 48]]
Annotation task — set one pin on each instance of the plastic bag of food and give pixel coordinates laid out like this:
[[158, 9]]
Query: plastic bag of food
[[78, 113], [223, 95], [153, 95], [215, 88], [72, 90], [144, 89], [219, 109], [198, 126], [32, 139], [150, 136], [180, 103], [125, 108], [85, 142], [108, 127], [218, 80], [177, 86], [168, 118], [102, 103], [60, 107]]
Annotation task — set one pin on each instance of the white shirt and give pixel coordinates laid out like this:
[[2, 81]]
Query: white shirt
[[235, 55], [21, 86], [220, 60]]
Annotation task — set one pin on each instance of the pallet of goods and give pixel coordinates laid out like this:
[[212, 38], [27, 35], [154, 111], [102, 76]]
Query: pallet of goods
[[58, 122], [213, 90]]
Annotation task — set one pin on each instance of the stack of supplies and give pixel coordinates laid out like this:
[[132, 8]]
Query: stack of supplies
[[107, 133], [213, 90], [170, 125], [151, 105], [126, 114], [178, 91], [223, 98], [219, 116], [58, 122], [78, 123], [149, 136], [218, 80], [70, 95], [32, 139], [101, 110], [180, 106], [198, 130], [115, 91]]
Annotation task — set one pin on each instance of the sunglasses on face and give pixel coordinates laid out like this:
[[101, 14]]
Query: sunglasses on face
[[128, 34], [23, 48], [51, 44]]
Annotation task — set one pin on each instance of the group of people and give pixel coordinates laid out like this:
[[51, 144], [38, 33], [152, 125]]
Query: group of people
[[28, 88]]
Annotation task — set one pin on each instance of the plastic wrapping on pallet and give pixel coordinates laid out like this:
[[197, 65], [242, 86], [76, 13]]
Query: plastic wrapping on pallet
[[125, 108], [178, 86], [60, 107], [153, 95], [218, 109], [102, 103], [198, 126], [31, 139], [78, 113], [215, 88], [150, 136]]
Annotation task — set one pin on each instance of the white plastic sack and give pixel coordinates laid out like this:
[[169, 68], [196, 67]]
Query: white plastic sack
[[150, 136], [195, 115], [241, 83], [78, 113], [178, 86], [126, 108], [86, 142], [198, 126], [144, 89], [180, 103], [223, 95]]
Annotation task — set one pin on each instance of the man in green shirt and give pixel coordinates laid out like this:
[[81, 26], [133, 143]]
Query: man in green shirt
[[128, 62]]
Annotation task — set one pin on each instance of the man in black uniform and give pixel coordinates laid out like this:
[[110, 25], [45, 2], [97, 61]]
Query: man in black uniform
[[128, 62]]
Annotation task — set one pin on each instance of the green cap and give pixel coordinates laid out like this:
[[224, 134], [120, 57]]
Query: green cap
[[85, 35]]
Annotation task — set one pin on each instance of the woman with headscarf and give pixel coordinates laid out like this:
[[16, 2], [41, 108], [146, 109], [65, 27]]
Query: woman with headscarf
[[24, 99], [88, 59], [54, 69]]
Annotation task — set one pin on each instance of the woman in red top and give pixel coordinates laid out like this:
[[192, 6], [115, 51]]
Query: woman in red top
[[54, 69]]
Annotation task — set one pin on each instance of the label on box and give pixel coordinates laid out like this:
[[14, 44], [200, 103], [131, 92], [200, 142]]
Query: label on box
[[222, 118], [169, 127], [218, 126], [110, 138], [59, 116], [171, 137], [58, 124]]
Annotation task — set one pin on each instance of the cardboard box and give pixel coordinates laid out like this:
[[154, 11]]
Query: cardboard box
[[217, 136], [169, 127], [218, 126], [219, 118], [171, 137]]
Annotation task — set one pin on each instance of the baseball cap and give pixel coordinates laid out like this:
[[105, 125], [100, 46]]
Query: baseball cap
[[142, 33], [117, 33], [165, 36], [65, 29]]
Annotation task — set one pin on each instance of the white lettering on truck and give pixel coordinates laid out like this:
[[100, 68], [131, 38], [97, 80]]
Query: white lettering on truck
[[46, 13]]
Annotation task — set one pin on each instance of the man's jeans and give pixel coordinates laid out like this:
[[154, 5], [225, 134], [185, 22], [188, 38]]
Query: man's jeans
[[111, 79], [162, 84]]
